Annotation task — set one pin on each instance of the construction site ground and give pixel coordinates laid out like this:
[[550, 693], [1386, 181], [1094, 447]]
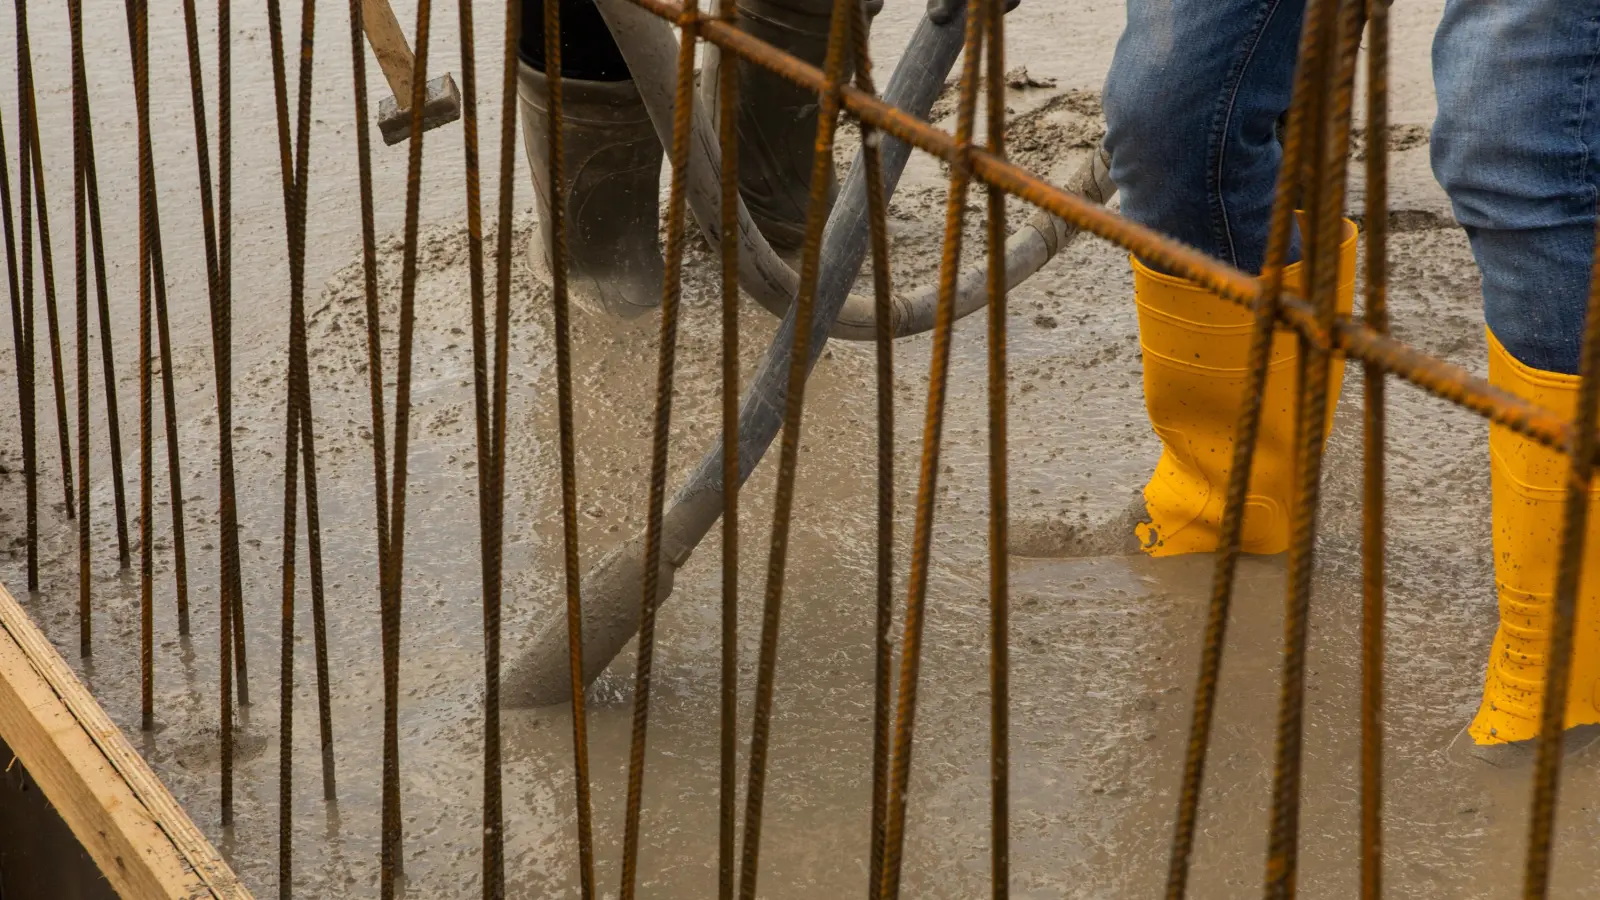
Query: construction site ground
[[1104, 644]]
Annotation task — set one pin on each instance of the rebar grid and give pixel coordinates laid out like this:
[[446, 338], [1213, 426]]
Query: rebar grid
[[1316, 157]]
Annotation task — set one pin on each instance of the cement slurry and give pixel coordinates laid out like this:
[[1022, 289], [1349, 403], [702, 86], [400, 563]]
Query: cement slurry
[[1104, 644]]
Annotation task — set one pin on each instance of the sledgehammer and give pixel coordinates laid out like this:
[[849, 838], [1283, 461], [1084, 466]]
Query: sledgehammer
[[441, 106]]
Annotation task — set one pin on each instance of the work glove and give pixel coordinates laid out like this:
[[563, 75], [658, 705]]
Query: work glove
[[943, 12]]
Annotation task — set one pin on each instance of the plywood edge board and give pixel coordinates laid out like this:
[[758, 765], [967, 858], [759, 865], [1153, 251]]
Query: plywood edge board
[[126, 819]]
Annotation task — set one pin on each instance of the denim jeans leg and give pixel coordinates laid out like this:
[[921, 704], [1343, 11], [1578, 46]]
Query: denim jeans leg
[[1517, 147], [1194, 91]]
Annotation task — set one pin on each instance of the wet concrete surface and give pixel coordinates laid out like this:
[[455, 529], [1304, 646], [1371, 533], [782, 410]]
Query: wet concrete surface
[[1104, 644]]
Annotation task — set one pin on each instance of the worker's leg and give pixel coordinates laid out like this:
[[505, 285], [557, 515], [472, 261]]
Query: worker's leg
[[1517, 145], [612, 163], [1194, 93]]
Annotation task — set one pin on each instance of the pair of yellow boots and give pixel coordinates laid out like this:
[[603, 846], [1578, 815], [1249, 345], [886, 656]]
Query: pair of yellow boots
[[1195, 347]]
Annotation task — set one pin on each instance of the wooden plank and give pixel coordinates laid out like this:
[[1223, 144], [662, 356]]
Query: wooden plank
[[126, 819]]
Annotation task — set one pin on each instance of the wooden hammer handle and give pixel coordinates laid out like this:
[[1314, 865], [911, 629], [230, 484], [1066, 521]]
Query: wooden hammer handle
[[389, 45]]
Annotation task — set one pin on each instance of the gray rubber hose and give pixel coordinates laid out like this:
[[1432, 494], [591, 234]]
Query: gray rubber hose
[[612, 591], [651, 50]]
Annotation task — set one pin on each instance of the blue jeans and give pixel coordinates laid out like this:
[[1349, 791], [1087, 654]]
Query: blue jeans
[[1196, 87]]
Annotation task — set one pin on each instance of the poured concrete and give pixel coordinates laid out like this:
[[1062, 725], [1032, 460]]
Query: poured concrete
[[1104, 645]]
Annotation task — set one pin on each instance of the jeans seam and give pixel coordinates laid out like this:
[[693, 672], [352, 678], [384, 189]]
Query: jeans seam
[[1586, 83], [1224, 237]]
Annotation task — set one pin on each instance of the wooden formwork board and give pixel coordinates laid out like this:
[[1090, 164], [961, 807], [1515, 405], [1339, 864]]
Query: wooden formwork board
[[125, 818]]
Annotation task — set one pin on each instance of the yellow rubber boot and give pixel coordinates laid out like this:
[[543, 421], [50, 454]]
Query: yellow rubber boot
[[1528, 484], [1196, 349]]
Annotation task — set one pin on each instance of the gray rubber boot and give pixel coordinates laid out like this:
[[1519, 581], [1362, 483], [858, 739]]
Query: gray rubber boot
[[777, 119], [612, 167]]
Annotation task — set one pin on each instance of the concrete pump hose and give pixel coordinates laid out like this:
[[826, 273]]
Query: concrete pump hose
[[651, 50], [613, 590]]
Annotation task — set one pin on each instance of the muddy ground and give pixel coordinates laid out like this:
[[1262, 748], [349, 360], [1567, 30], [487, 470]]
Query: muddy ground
[[1104, 646]]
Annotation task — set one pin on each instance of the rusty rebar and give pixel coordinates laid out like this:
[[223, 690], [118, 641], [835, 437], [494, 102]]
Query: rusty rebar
[[27, 375], [728, 757], [999, 554], [319, 614], [841, 28], [883, 383], [369, 271], [28, 121], [1265, 310], [671, 294], [299, 446], [493, 816], [169, 401], [208, 225], [1372, 507], [80, 271], [1324, 186], [928, 474], [230, 617], [561, 310], [153, 270], [19, 347], [137, 42], [108, 367], [393, 576], [301, 384], [491, 510], [494, 843]]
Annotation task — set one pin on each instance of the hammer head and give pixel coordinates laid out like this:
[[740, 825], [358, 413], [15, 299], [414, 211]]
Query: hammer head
[[441, 107]]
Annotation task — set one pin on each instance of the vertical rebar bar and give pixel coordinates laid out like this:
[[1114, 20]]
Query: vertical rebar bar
[[108, 366], [999, 555], [26, 375], [28, 121], [491, 512], [728, 71], [671, 293], [137, 35], [294, 168], [237, 658], [81, 312], [493, 814], [1264, 316], [842, 28], [928, 469], [392, 857], [1372, 506], [883, 378], [561, 309], [1324, 187], [169, 401], [230, 607], [20, 348]]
